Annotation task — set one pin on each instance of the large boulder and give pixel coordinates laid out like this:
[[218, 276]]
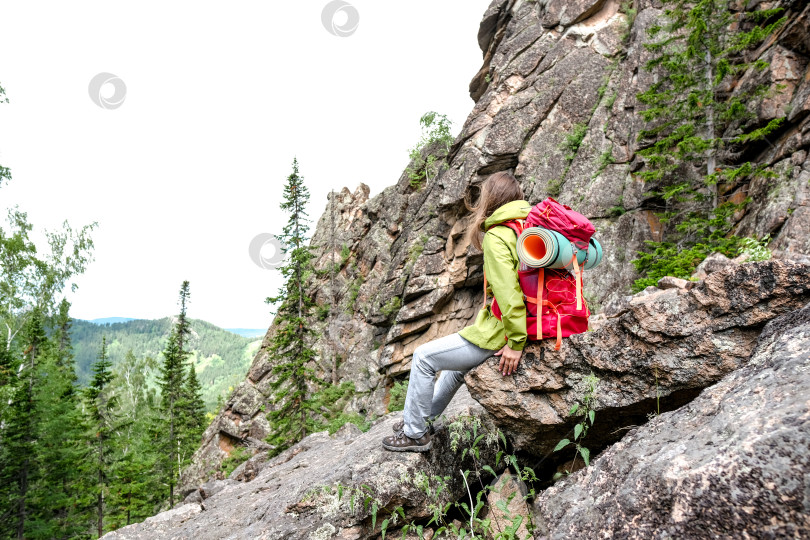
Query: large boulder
[[658, 353], [734, 463], [318, 488]]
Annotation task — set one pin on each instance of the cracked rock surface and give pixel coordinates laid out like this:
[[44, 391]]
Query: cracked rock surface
[[734, 463]]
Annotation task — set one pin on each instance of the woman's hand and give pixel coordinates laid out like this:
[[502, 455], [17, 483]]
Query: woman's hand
[[509, 360]]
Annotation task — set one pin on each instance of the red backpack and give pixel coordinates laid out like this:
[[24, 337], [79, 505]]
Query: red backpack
[[557, 292]]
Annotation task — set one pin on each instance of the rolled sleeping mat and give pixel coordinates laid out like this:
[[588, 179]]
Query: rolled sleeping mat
[[543, 248], [594, 254]]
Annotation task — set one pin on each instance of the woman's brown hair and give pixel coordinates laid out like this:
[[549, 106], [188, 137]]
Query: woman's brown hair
[[498, 189]]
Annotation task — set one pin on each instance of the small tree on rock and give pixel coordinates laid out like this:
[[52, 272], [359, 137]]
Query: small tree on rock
[[290, 351], [172, 381]]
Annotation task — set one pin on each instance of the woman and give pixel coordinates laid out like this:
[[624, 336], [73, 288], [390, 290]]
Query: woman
[[501, 199]]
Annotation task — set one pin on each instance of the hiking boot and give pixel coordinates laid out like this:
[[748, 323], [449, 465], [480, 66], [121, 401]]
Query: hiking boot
[[400, 425], [400, 442]]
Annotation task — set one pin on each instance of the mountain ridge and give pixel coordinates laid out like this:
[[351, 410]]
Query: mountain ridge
[[221, 358]]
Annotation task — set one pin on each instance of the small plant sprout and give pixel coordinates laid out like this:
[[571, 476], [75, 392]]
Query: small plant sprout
[[756, 250], [581, 429]]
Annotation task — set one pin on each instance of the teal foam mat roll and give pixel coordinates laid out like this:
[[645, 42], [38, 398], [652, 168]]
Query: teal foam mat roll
[[543, 248]]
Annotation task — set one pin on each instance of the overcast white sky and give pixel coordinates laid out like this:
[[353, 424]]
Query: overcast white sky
[[220, 97]]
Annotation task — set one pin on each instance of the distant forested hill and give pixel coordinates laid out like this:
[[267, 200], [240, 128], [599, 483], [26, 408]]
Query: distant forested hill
[[221, 358]]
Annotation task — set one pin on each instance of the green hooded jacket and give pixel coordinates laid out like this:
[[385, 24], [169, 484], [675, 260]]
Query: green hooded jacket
[[501, 269]]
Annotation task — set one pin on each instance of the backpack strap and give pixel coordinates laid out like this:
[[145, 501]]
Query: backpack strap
[[559, 324], [485, 291], [539, 303], [540, 280], [577, 277], [553, 308], [516, 225]]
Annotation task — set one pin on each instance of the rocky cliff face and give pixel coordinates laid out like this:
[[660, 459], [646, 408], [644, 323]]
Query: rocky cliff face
[[733, 459], [409, 276]]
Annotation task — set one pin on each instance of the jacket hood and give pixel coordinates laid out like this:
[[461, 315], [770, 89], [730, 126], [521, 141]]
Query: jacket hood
[[511, 210]]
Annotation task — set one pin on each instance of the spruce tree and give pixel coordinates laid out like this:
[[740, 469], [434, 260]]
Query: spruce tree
[[292, 413], [18, 464], [100, 406], [193, 412], [134, 493], [30, 281], [59, 505], [171, 382], [697, 125]]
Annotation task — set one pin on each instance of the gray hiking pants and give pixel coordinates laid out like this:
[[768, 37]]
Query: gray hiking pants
[[453, 356]]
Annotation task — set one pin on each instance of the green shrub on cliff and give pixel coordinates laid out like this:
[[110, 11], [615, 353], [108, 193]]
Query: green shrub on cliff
[[697, 52], [396, 398], [435, 129], [698, 237]]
